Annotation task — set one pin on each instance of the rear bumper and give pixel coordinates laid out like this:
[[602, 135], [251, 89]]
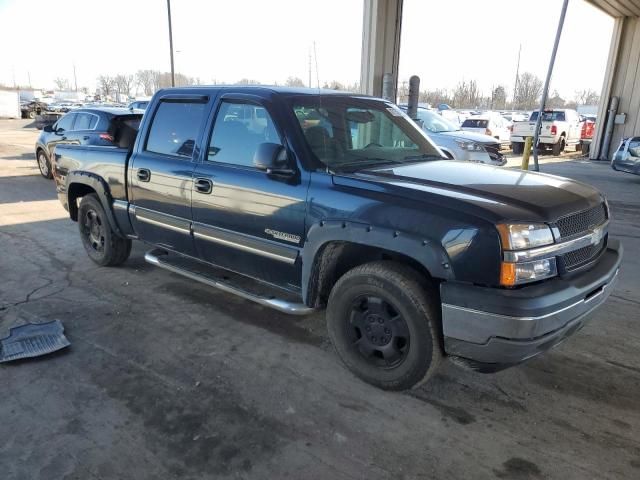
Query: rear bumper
[[493, 328]]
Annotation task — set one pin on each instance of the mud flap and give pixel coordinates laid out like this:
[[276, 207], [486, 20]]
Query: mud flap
[[33, 340]]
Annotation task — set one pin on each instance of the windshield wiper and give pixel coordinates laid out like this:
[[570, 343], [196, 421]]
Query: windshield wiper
[[366, 163], [422, 156]]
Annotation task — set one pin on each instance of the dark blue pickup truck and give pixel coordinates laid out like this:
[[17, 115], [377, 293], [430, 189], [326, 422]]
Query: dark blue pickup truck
[[338, 200]]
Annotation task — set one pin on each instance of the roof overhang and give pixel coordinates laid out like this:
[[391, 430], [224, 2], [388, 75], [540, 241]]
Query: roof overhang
[[618, 8]]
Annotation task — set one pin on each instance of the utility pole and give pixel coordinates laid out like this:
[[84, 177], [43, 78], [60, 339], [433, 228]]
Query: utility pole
[[315, 54], [545, 89], [29, 77], [309, 67], [75, 78], [515, 85], [173, 73]]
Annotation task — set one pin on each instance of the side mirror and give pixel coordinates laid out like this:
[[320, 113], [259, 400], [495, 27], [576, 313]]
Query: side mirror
[[272, 159], [48, 128]]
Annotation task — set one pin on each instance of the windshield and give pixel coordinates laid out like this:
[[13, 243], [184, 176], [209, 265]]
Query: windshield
[[548, 116], [435, 123], [354, 133]]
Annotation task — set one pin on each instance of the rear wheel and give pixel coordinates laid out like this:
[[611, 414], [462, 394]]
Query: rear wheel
[[558, 147], [383, 320], [101, 243], [32, 114], [517, 148], [44, 165]]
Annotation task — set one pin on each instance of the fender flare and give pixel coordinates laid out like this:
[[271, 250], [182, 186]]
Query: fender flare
[[426, 252], [100, 186]]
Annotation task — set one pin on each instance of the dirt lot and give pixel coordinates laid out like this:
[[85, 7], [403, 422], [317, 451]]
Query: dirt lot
[[166, 378]]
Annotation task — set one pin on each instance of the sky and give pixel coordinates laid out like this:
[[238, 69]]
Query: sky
[[268, 41]]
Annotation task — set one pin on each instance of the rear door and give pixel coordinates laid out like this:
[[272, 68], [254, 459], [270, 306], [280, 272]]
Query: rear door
[[244, 219], [161, 170], [62, 131], [83, 128]]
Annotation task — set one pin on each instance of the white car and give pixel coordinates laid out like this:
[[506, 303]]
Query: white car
[[488, 124], [560, 128]]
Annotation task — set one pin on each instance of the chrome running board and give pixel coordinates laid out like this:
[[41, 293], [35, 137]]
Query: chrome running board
[[158, 257]]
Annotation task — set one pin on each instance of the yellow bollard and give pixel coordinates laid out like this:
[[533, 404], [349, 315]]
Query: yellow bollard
[[526, 153]]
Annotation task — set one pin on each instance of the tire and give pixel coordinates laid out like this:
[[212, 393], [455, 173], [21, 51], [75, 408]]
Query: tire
[[585, 148], [44, 165], [384, 321], [558, 147], [101, 243], [517, 148], [32, 114]]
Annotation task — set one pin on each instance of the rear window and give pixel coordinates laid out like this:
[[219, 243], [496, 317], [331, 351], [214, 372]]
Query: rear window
[[475, 123], [548, 117], [124, 130], [174, 128]]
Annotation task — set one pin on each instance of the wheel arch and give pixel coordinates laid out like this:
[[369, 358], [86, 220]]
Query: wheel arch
[[334, 247], [80, 184]]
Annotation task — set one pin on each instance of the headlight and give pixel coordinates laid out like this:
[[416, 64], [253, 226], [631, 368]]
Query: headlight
[[521, 236], [524, 236], [516, 273], [470, 146]]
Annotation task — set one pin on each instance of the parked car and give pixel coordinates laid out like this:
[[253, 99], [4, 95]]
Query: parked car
[[586, 134], [138, 105], [489, 124], [560, 128], [457, 144], [33, 108], [512, 117], [414, 256], [627, 156], [86, 126]]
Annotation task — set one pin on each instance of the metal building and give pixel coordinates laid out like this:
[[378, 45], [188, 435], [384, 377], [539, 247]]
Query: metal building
[[381, 53]]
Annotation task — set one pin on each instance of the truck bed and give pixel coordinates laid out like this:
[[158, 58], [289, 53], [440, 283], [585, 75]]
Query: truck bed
[[107, 162]]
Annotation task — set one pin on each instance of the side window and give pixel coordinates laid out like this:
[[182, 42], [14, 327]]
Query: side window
[[175, 127], [83, 121], [634, 147], [93, 121], [66, 122], [238, 130]]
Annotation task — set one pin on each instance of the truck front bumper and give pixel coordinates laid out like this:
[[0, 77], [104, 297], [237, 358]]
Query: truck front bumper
[[492, 328]]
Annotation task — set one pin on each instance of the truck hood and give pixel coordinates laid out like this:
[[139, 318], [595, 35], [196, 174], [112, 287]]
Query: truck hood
[[495, 193], [470, 136]]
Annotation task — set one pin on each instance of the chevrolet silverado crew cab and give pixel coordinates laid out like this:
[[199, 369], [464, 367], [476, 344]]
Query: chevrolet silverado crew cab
[[327, 199], [560, 128]]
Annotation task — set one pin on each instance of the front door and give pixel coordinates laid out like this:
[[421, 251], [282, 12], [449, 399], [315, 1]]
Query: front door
[[160, 173], [244, 219]]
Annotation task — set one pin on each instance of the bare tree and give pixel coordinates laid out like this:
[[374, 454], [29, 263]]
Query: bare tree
[[586, 97], [555, 101], [247, 81], [498, 97], [61, 83], [528, 91], [107, 84], [467, 95], [124, 84], [145, 79], [294, 82]]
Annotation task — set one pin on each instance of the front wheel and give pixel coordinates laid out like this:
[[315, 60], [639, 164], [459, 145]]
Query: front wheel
[[44, 165], [101, 243], [383, 320]]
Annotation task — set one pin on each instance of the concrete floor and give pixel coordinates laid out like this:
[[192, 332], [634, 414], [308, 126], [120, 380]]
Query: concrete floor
[[166, 378]]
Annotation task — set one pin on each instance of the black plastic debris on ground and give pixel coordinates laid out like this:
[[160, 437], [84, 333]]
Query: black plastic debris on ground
[[33, 340]]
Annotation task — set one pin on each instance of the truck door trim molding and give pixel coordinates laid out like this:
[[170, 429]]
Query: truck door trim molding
[[162, 220], [247, 243]]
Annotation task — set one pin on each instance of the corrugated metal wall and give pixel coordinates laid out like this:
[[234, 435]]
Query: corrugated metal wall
[[626, 81]]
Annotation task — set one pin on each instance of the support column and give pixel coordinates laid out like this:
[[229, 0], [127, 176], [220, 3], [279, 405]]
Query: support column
[[380, 45]]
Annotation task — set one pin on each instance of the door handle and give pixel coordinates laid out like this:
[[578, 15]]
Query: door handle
[[144, 175], [86, 137], [202, 185]]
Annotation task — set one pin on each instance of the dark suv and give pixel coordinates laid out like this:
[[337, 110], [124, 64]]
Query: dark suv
[[87, 126]]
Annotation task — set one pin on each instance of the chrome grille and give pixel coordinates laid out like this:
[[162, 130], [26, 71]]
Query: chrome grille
[[582, 256], [581, 222]]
